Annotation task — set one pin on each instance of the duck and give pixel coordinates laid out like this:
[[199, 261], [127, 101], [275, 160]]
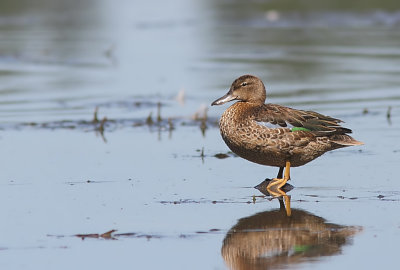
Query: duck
[[275, 135]]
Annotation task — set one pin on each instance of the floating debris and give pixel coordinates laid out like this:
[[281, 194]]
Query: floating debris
[[221, 156], [209, 231], [192, 201], [203, 127], [389, 114], [225, 155], [159, 119], [109, 54], [106, 235], [201, 113], [95, 117], [111, 235], [170, 127], [100, 124], [202, 155], [149, 120], [170, 124]]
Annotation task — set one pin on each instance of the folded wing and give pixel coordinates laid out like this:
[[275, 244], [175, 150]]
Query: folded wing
[[318, 124]]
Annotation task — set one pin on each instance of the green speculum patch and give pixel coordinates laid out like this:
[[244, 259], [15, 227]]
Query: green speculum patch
[[299, 129]]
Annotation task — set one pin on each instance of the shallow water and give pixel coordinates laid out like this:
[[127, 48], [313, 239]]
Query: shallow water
[[68, 179]]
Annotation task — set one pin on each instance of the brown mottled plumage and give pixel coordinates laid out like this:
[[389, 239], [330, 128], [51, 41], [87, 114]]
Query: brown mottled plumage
[[245, 128]]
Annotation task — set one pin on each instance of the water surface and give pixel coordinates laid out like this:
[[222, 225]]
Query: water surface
[[67, 178]]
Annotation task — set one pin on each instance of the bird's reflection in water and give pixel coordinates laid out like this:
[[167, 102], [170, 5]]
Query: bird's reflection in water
[[272, 239]]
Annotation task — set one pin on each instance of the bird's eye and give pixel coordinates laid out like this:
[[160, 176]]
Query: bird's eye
[[244, 83]]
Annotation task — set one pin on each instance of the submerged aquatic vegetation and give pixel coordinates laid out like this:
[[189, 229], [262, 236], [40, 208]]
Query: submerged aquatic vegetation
[[108, 124]]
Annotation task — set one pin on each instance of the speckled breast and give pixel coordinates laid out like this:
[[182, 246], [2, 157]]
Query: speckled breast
[[249, 140]]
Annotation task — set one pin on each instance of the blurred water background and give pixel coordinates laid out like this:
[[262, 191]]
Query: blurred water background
[[158, 182]]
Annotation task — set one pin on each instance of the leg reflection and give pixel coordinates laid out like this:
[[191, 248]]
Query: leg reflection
[[277, 192], [284, 199]]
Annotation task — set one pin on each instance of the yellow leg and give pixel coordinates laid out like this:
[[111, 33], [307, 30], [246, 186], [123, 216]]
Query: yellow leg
[[280, 182], [274, 188]]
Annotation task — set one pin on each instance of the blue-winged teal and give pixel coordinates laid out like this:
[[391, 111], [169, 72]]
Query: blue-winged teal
[[275, 135]]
